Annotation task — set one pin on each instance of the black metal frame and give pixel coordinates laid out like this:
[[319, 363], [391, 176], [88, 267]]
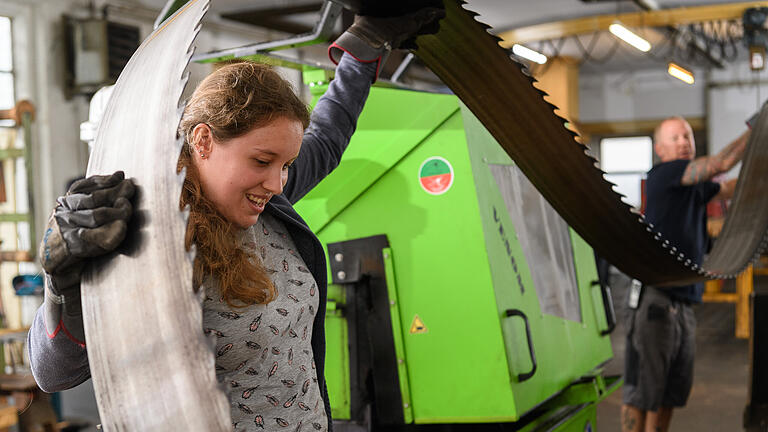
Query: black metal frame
[[756, 412], [603, 279], [525, 375], [358, 265]]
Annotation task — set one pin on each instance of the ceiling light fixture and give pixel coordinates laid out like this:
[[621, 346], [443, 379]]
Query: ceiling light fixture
[[680, 73], [529, 54], [627, 36]]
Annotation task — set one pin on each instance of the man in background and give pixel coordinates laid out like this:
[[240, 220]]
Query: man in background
[[660, 346]]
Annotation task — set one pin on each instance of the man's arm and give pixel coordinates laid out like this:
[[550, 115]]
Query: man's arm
[[704, 168], [726, 190]]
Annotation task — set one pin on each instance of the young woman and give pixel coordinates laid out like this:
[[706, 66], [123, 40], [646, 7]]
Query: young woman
[[251, 152]]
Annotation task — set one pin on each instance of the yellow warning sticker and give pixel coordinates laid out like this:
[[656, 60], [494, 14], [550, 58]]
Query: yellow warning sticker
[[417, 326]]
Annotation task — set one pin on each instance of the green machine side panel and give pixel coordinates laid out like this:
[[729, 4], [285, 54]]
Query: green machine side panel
[[337, 355], [451, 268], [391, 125], [441, 268], [565, 349]]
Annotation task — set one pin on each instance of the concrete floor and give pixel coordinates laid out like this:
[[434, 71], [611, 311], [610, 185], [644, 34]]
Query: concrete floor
[[721, 370]]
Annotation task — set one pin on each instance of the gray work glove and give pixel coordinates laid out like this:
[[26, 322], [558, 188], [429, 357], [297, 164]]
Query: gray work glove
[[89, 221], [371, 39]]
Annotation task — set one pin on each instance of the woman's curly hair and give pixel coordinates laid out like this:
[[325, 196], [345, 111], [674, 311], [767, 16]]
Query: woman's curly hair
[[232, 101]]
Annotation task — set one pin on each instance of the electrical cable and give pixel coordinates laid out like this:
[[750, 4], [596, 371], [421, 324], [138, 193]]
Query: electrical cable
[[587, 52], [697, 44]]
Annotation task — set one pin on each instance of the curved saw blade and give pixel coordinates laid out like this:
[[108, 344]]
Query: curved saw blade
[[152, 367], [498, 91]]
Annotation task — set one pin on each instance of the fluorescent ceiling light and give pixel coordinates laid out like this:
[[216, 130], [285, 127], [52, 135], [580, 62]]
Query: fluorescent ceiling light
[[627, 36], [529, 54], [680, 73]]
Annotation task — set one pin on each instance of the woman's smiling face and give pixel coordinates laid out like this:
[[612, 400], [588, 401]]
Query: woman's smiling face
[[241, 174]]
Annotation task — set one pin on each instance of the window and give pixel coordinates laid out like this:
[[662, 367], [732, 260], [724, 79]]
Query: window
[[625, 161], [7, 94], [546, 242], [15, 233]]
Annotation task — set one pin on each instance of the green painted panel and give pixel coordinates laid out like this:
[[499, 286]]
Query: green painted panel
[[14, 217], [554, 338], [11, 153], [585, 420], [383, 137], [454, 262], [397, 330], [442, 276], [337, 354]]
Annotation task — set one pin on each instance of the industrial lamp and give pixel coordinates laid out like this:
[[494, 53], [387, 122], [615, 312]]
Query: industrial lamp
[[629, 37], [680, 73], [529, 54]]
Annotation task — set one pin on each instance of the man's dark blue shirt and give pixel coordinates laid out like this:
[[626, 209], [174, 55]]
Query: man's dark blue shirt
[[679, 213]]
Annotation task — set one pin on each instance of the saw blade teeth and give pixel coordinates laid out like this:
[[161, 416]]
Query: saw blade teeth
[[485, 26], [541, 91], [185, 79], [460, 21], [463, 5], [191, 253], [200, 298], [185, 82], [520, 65], [185, 212]]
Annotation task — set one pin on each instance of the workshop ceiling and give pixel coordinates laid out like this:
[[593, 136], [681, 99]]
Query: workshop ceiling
[[499, 14], [598, 51]]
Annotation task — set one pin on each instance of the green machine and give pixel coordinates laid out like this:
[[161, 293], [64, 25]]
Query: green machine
[[458, 298], [457, 295]]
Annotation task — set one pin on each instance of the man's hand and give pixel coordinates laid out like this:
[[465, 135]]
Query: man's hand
[[370, 39], [90, 220], [704, 168], [753, 119], [727, 188]]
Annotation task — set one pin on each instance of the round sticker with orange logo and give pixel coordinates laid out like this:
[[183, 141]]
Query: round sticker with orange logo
[[436, 175]]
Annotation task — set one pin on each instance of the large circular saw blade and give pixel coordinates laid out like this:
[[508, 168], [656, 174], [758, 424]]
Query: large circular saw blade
[[152, 367]]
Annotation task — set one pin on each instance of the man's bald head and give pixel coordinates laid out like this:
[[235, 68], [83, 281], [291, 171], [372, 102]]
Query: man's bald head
[[673, 139]]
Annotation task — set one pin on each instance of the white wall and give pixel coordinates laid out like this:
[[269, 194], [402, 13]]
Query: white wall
[[725, 98], [638, 95], [734, 94]]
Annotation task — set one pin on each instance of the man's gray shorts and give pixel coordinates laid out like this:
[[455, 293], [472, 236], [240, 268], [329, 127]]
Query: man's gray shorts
[[658, 366]]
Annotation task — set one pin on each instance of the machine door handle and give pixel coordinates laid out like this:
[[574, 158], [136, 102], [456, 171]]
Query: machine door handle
[[610, 312], [527, 375]]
